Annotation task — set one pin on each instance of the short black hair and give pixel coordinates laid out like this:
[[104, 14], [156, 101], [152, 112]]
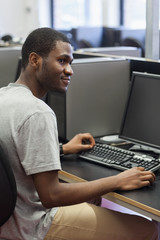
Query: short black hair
[[41, 41]]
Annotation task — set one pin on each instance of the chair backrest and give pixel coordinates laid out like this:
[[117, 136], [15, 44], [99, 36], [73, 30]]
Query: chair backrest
[[84, 44], [133, 43], [8, 190]]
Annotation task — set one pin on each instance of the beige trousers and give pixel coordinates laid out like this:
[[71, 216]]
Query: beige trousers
[[89, 222]]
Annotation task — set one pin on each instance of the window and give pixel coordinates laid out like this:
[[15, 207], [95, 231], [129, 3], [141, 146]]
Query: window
[[68, 14], [134, 13]]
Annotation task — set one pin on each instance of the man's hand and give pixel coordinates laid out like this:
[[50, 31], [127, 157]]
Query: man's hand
[[134, 178], [81, 142]]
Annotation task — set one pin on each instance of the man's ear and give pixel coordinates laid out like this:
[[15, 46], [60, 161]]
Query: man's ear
[[34, 60]]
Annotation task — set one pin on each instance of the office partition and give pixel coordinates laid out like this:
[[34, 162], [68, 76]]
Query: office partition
[[9, 58], [95, 98]]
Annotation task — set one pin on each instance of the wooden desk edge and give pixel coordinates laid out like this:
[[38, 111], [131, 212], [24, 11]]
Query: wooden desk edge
[[68, 177]]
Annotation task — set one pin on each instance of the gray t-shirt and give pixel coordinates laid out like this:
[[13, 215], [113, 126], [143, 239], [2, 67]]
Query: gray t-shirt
[[28, 133]]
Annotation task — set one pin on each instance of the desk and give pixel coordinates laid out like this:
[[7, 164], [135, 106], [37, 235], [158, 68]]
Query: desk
[[145, 201]]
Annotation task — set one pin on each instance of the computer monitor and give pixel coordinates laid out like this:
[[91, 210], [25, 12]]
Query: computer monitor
[[141, 122]]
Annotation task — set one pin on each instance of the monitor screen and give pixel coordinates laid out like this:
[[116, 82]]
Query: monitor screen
[[141, 122]]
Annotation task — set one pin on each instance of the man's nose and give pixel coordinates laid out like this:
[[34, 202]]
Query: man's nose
[[68, 70]]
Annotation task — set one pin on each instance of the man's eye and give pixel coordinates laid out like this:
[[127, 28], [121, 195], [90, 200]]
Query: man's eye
[[62, 60]]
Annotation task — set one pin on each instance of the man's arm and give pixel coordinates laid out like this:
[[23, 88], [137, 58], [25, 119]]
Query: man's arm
[[53, 193]]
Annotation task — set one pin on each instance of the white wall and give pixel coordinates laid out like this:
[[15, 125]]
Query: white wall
[[44, 13], [111, 13], [19, 17]]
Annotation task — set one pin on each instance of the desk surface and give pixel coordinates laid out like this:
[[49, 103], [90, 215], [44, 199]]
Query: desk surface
[[145, 201]]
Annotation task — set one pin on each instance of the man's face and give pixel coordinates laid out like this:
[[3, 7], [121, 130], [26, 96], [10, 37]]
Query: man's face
[[55, 71]]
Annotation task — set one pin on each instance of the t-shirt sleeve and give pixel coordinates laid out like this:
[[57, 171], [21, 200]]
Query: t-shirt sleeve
[[37, 144]]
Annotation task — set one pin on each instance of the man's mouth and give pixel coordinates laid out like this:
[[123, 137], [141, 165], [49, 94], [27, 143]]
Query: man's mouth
[[66, 81]]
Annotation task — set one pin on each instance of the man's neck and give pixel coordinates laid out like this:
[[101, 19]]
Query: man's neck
[[27, 80]]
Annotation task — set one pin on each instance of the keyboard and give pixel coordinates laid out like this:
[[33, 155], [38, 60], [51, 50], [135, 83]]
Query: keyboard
[[120, 159]]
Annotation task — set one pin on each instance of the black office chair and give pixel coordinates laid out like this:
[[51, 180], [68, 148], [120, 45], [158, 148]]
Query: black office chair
[[8, 190], [132, 42], [7, 38], [84, 44]]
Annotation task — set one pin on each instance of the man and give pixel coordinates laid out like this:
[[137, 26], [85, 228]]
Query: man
[[46, 208]]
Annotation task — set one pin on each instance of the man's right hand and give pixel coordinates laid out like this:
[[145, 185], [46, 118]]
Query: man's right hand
[[134, 178]]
